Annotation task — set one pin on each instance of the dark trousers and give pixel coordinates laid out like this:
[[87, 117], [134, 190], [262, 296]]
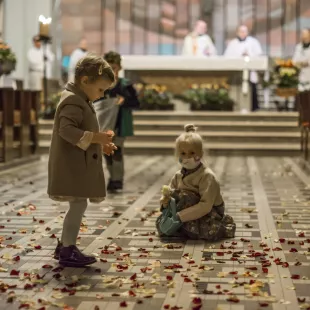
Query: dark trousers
[[115, 165], [255, 105]]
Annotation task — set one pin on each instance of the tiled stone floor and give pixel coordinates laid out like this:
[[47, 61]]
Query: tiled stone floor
[[265, 267]]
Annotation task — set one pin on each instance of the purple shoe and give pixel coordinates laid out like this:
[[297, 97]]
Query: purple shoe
[[58, 249], [72, 257]]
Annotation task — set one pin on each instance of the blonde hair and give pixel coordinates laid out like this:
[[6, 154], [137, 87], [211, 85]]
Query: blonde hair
[[190, 136], [95, 68]]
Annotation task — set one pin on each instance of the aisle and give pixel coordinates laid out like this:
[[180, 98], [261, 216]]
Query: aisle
[[266, 266]]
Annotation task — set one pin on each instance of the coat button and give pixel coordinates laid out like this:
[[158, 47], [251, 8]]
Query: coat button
[[95, 156]]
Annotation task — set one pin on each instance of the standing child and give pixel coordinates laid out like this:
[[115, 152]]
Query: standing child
[[125, 96], [75, 171], [196, 190]]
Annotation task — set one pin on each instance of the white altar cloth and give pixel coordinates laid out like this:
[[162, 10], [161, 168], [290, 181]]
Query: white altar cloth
[[184, 63]]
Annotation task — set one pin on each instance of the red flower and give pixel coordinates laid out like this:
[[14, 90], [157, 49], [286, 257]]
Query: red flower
[[16, 259], [133, 277], [14, 272], [187, 280], [123, 304], [53, 236], [263, 304], [41, 222], [169, 278], [265, 270], [285, 265], [282, 240], [293, 250], [38, 247], [295, 276]]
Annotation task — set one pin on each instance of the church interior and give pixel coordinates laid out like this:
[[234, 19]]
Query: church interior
[[183, 183]]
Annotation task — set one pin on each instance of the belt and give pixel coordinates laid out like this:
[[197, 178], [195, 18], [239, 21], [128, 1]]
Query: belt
[[34, 70]]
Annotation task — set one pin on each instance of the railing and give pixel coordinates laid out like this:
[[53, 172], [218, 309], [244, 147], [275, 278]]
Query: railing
[[18, 123]]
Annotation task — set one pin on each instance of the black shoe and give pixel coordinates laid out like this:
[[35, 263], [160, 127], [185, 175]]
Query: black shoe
[[72, 257], [113, 186], [118, 184], [57, 250]]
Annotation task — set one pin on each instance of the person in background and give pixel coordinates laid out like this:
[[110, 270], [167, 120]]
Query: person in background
[[76, 55], [246, 45], [36, 63], [301, 58], [198, 42], [125, 95]]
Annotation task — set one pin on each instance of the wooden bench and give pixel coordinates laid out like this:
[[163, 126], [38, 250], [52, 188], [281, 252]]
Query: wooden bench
[[18, 123]]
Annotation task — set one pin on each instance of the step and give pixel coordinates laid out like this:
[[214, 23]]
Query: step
[[209, 116], [214, 145]]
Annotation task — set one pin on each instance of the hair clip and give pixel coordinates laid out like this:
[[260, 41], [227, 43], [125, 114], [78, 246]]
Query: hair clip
[[100, 70]]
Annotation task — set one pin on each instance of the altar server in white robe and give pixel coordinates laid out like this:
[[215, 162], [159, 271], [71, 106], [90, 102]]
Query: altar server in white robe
[[301, 59], [76, 55], [198, 42], [36, 64], [246, 45]]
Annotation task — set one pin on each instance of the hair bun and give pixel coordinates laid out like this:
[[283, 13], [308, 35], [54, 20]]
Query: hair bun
[[190, 128]]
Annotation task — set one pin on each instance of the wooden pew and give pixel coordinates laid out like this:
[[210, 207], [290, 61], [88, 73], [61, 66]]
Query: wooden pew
[[18, 123]]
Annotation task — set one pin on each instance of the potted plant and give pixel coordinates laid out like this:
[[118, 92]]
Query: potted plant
[[154, 97], [50, 110], [7, 59], [208, 97]]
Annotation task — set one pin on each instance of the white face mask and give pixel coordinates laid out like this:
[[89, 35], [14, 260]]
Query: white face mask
[[190, 163]]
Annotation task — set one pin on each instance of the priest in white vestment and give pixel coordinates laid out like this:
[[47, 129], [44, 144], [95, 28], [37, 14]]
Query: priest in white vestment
[[198, 43], [301, 59], [36, 64], [246, 45], [76, 55]]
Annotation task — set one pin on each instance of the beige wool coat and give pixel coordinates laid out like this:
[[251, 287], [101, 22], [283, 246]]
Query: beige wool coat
[[204, 183], [75, 165]]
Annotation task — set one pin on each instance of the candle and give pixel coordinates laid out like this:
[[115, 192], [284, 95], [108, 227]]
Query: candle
[[44, 26]]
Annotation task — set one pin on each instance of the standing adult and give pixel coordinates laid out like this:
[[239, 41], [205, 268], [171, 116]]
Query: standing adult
[[198, 42], [301, 58], [76, 55], [246, 45], [36, 60]]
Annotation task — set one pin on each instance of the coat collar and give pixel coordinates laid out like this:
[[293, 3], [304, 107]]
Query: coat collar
[[77, 91]]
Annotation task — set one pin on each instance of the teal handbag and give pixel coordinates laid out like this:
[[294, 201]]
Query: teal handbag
[[168, 223]]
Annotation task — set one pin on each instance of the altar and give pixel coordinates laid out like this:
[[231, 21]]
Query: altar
[[180, 72]]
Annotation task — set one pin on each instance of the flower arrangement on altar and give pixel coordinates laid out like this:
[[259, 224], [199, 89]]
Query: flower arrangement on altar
[[7, 59], [208, 97], [285, 77], [154, 97]]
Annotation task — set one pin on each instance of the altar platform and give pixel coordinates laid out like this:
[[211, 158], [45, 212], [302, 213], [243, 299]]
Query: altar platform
[[256, 133]]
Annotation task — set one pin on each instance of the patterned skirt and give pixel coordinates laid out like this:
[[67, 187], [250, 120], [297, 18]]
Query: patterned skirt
[[214, 226]]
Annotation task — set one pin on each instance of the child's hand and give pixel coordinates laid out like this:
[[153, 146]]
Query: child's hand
[[106, 137], [109, 149], [164, 201], [120, 100]]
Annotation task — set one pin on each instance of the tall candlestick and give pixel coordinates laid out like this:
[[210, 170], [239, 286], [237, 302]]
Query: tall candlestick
[[44, 26]]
